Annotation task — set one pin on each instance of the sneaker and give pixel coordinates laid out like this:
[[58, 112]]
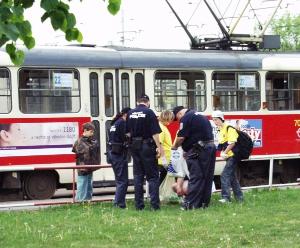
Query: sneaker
[[184, 206], [223, 200]]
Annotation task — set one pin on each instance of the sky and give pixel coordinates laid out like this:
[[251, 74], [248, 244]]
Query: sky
[[151, 24]]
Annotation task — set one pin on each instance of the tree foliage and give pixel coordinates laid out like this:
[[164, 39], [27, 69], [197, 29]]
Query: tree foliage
[[14, 27], [287, 27]]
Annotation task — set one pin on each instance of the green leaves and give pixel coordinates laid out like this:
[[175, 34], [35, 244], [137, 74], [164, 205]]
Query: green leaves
[[287, 27], [58, 20], [61, 19], [16, 56], [114, 6], [73, 34], [13, 27], [49, 5], [10, 30], [29, 42], [24, 3]]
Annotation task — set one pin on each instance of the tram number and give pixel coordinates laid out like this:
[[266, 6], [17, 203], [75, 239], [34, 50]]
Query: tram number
[[297, 123], [69, 129]]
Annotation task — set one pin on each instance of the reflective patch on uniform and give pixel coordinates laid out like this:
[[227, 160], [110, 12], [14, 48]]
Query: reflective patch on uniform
[[136, 115], [112, 129], [180, 126]]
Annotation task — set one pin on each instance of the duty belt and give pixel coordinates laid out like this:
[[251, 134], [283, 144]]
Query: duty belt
[[206, 142], [147, 140]]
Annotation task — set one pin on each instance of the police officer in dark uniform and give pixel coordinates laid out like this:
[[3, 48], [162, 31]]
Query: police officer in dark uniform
[[196, 138], [143, 128], [118, 156]]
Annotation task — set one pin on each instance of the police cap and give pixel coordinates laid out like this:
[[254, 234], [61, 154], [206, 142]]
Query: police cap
[[176, 110], [144, 96], [125, 110]]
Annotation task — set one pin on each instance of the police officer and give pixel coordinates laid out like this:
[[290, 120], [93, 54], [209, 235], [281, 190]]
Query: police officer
[[196, 138], [143, 128], [118, 156]]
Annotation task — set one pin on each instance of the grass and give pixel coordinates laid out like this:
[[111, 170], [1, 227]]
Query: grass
[[265, 219]]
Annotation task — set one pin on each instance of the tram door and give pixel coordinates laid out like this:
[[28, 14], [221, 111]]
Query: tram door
[[110, 91]]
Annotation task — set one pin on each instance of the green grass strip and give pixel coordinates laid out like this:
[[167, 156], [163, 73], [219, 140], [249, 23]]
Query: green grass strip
[[265, 219]]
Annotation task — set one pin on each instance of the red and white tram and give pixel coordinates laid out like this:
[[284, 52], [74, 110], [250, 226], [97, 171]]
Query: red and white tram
[[44, 102]]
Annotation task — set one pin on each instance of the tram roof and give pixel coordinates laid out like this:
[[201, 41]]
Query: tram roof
[[119, 57]]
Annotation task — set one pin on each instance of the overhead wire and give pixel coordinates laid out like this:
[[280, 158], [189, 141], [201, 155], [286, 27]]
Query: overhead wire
[[219, 12], [234, 13], [194, 12], [227, 8], [255, 16]]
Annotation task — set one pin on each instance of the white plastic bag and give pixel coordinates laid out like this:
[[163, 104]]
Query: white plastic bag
[[213, 187], [166, 192], [177, 166]]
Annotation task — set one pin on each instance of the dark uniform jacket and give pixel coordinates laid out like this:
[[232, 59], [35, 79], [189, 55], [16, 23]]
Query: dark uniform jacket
[[194, 127], [142, 122], [117, 132]]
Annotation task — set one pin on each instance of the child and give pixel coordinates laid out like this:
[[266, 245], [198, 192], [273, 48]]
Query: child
[[86, 149], [165, 139]]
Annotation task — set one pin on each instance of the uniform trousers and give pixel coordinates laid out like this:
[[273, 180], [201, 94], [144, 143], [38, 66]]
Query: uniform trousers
[[145, 164], [201, 170], [120, 167]]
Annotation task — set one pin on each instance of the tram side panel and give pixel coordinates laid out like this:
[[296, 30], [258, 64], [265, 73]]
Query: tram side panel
[[274, 136], [34, 142]]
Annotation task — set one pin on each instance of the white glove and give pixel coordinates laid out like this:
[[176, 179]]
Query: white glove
[[224, 155]]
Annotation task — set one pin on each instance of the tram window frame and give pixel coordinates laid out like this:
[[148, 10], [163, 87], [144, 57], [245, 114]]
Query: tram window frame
[[5, 92], [168, 83], [109, 94], [94, 94], [233, 94], [125, 90], [50, 96], [281, 93], [139, 82]]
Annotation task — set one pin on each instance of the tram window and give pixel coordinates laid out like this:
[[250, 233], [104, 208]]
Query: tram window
[[5, 91], [125, 90], [94, 94], [49, 91], [108, 94], [107, 128], [139, 85], [97, 137], [236, 91], [173, 88], [283, 90]]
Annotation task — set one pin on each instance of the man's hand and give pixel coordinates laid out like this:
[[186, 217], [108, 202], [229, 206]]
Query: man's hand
[[159, 152], [224, 155], [174, 148]]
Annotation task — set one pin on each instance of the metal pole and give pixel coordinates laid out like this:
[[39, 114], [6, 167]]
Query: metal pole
[[270, 19], [271, 172], [73, 185], [239, 18]]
